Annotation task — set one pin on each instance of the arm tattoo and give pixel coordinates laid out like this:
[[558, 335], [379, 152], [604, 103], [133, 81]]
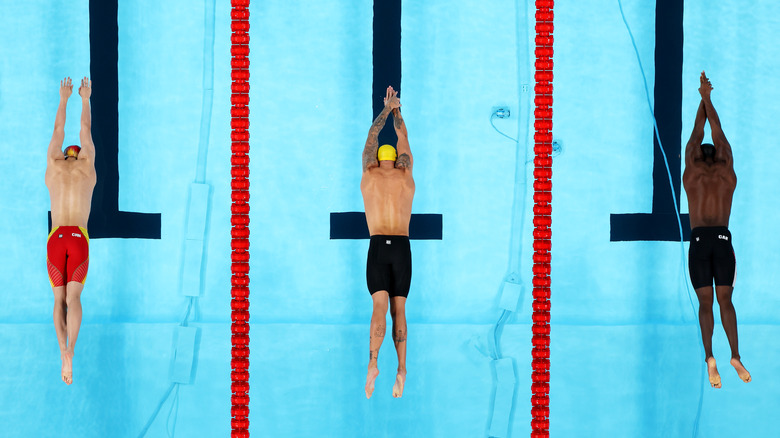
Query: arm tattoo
[[379, 122], [403, 162], [397, 119], [369, 153], [372, 143]]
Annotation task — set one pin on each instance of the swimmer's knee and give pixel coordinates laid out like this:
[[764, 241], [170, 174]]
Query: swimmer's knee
[[704, 294], [705, 304], [59, 294], [73, 292], [380, 301], [397, 310], [72, 299], [724, 295]]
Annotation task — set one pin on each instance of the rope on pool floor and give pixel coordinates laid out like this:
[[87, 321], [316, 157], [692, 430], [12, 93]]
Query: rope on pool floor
[[239, 220], [540, 376], [697, 419]]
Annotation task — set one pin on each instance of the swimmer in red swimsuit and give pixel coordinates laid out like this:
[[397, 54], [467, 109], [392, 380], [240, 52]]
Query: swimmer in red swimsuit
[[70, 177]]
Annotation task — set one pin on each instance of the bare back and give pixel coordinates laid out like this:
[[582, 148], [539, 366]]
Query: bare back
[[710, 188], [387, 197], [70, 184]]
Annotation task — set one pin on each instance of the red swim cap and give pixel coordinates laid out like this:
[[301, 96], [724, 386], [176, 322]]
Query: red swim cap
[[72, 151]]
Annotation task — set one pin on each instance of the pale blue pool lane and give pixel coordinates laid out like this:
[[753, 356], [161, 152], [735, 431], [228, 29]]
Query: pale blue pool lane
[[626, 360]]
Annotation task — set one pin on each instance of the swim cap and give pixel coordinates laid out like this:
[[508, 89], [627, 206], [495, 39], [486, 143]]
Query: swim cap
[[708, 150], [386, 153], [72, 151]]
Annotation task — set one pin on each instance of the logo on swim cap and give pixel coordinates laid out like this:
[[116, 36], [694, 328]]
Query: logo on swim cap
[[72, 151], [386, 153]]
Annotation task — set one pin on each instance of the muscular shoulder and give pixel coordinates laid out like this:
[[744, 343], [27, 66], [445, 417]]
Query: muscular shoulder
[[368, 178], [369, 174], [54, 166]]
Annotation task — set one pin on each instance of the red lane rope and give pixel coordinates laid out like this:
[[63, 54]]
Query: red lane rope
[[540, 377], [239, 125]]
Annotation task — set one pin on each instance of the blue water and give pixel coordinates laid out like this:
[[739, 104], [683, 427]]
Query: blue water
[[626, 360]]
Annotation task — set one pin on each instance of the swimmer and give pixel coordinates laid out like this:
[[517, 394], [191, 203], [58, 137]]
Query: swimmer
[[388, 188], [70, 177], [709, 181]]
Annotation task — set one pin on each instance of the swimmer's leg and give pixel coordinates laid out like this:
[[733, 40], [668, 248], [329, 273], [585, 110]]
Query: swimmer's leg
[[398, 313], [73, 302], [706, 318], [728, 317], [60, 324], [377, 335], [707, 323]]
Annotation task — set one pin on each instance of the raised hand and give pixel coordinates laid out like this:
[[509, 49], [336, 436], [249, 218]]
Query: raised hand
[[66, 88], [706, 86], [391, 99], [85, 90]]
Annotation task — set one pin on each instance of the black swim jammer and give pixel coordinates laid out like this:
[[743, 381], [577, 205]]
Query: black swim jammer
[[389, 265], [711, 256]]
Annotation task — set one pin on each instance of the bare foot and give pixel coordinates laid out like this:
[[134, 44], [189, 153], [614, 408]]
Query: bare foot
[[398, 388], [743, 373], [712, 369], [370, 379], [67, 367]]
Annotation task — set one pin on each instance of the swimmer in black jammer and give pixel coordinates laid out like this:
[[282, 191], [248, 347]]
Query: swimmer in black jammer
[[70, 177], [388, 188], [709, 181]]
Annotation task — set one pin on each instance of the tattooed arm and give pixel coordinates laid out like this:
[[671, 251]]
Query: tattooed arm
[[370, 159], [404, 160]]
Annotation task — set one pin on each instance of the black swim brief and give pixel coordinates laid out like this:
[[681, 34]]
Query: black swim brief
[[711, 257], [389, 265]]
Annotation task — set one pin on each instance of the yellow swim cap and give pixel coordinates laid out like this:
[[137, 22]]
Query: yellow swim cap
[[386, 153]]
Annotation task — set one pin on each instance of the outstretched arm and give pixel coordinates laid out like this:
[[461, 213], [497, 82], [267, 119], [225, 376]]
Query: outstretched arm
[[372, 142], [692, 150], [55, 145], [722, 146], [85, 135], [404, 160]]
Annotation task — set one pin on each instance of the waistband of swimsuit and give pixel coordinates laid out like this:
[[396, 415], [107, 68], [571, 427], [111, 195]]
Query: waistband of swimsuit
[[69, 228], [389, 237], [710, 230]]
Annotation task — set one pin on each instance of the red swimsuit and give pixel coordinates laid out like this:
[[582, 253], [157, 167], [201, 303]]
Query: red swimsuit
[[67, 255]]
